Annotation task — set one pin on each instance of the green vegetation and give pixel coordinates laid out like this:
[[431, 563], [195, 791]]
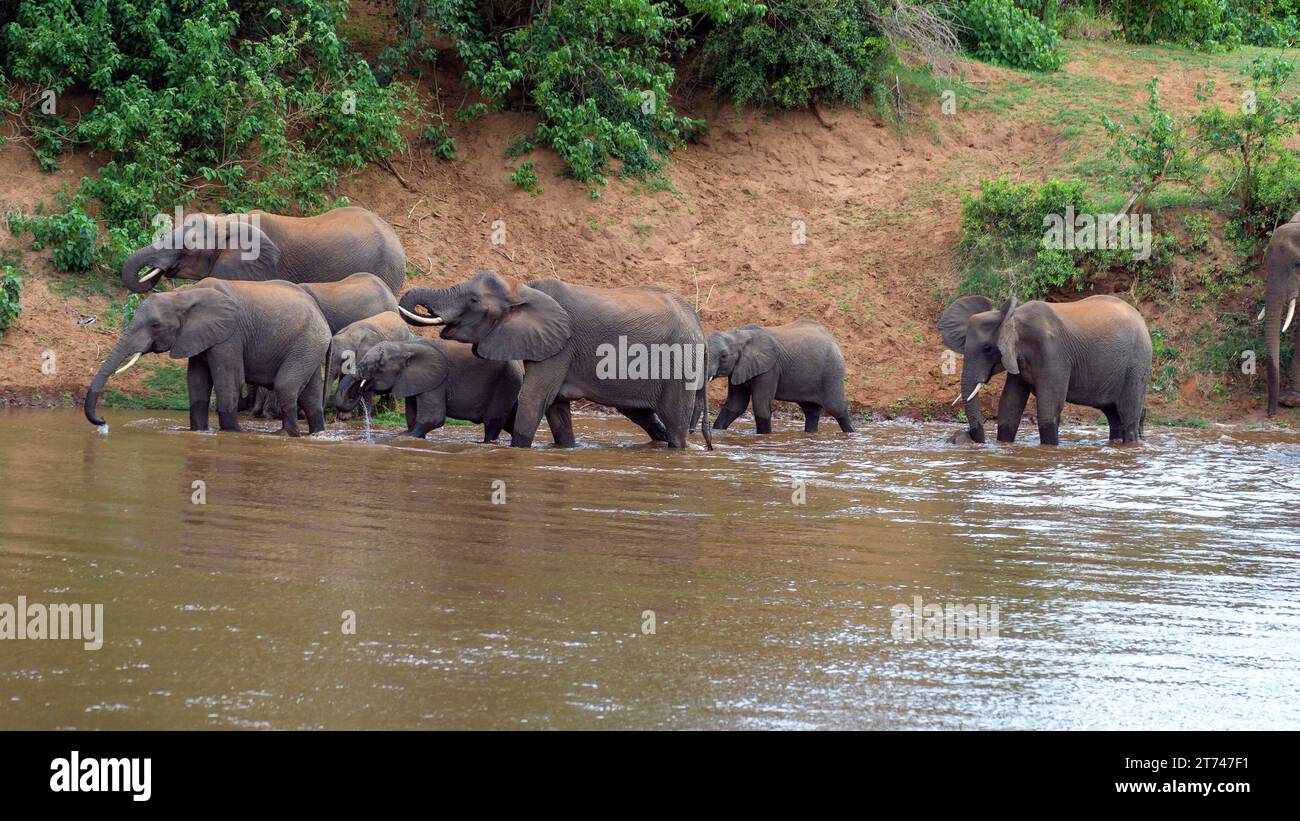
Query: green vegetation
[[1000, 31], [165, 390], [11, 291]]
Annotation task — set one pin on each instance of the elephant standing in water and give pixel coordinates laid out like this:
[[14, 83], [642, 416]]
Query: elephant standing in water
[[349, 300], [797, 362], [1282, 262], [350, 344], [438, 378], [1094, 352], [259, 246], [639, 349], [269, 334]]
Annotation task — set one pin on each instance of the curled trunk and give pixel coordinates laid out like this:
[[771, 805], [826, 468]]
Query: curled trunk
[[134, 264], [120, 351]]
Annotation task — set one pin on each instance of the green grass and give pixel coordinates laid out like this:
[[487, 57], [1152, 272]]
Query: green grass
[[166, 390]]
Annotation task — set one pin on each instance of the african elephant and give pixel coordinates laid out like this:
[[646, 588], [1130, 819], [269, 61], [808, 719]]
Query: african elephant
[[269, 334], [260, 246], [444, 379], [1094, 352], [639, 349], [350, 344], [797, 362], [1282, 262]]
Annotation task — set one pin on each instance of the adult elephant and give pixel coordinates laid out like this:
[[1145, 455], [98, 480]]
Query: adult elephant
[[269, 334], [258, 246], [1094, 352], [797, 362], [438, 378], [1282, 264], [639, 349]]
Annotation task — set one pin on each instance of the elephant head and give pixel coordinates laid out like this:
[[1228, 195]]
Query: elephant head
[[347, 348], [185, 322], [226, 246], [1282, 264], [986, 339], [742, 354], [503, 318], [402, 368]]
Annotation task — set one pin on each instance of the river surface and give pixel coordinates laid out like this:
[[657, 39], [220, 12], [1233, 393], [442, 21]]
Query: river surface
[[626, 585]]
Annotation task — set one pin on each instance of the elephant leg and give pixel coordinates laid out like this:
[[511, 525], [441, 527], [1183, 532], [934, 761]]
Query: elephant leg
[[542, 383], [1051, 403], [246, 399], [1011, 408], [410, 404], [737, 401], [1113, 422], [561, 423], [430, 413], [1131, 412], [1290, 396], [812, 414], [295, 372], [764, 392], [311, 402], [198, 382], [227, 389], [492, 429], [648, 421]]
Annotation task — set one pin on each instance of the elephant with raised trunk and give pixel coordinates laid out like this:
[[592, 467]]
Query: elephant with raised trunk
[[269, 334], [438, 379], [257, 246], [1282, 264], [797, 362], [1094, 352], [578, 342]]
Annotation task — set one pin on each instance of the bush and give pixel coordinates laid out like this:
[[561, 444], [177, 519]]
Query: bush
[[11, 290], [790, 53], [1212, 25], [1001, 32], [70, 236]]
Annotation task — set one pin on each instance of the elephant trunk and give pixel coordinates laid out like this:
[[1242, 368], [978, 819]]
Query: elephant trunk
[[120, 351], [140, 273], [1273, 343], [970, 391], [427, 298]]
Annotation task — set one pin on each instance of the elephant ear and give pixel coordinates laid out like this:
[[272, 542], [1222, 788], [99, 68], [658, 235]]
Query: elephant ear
[[208, 317], [759, 353], [952, 325], [423, 371], [249, 254], [534, 327], [1008, 336]]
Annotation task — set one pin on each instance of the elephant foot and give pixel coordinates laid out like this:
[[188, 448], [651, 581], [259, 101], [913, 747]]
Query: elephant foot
[[1289, 399]]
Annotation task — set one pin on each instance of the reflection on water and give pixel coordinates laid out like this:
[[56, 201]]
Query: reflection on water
[[1156, 586]]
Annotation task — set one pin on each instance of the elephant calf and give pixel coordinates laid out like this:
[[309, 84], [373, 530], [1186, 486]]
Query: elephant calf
[[1094, 352], [444, 378], [797, 362], [269, 334], [350, 345]]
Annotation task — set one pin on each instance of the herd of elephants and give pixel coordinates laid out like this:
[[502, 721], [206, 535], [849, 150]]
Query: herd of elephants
[[277, 296]]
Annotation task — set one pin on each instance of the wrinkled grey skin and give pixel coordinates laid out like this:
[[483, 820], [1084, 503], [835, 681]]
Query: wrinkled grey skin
[[438, 378], [797, 362], [351, 344], [556, 328], [349, 300], [1094, 352], [324, 248], [1282, 267], [269, 334]]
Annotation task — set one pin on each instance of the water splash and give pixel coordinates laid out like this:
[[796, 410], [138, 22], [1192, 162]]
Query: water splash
[[365, 414], [102, 430]]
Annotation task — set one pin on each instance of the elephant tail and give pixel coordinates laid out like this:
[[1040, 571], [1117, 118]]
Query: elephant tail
[[703, 401]]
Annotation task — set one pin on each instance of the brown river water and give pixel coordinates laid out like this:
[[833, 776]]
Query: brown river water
[[1155, 586]]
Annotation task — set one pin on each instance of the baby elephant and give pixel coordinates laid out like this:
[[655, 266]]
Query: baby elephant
[[796, 362], [1093, 352], [445, 378]]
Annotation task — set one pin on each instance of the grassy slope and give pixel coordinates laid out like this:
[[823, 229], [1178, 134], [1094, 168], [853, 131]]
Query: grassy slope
[[880, 202]]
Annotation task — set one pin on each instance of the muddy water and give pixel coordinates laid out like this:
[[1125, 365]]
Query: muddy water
[[1136, 587]]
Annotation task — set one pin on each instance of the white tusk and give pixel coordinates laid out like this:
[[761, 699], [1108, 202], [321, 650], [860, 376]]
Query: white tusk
[[978, 388], [423, 320], [362, 384], [1290, 313], [1260, 318], [127, 365], [150, 274], [958, 399]]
